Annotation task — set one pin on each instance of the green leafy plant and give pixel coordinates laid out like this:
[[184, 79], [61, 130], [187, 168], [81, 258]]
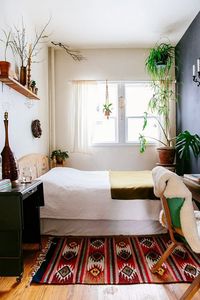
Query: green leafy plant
[[167, 142], [160, 61], [107, 109], [33, 83], [185, 142], [158, 65], [59, 155]]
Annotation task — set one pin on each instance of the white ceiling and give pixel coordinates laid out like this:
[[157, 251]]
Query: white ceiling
[[114, 23]]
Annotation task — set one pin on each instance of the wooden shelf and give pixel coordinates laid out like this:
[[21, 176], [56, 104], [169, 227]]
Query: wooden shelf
[[12, 83]]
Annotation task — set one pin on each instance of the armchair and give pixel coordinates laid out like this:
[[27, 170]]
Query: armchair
[[179, 217]]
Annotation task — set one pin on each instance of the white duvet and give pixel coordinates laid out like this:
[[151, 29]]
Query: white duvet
[[73, 194]]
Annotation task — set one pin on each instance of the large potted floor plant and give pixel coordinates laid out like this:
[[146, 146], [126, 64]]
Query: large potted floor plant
[[159, 64], [185, 143]]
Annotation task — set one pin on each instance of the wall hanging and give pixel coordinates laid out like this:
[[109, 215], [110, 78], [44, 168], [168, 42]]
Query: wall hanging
[[36, 128]]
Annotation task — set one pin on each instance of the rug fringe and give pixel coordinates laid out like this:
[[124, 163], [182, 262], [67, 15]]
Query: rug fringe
[[40, 259]]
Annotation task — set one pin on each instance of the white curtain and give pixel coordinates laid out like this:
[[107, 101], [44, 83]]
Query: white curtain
[[80, 111]]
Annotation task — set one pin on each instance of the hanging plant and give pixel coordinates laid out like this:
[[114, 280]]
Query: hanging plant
[[160, 61], [107, 107]]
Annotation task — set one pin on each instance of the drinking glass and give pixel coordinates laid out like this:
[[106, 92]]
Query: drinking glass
[[26, 175]]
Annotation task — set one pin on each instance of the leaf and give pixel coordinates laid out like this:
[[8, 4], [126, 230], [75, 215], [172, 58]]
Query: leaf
[[143, 143], [185, 142]]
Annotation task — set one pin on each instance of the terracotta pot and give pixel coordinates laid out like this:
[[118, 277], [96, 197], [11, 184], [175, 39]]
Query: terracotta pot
[[107, 114], [4, 68], [23, 75], [166, 155], [59, 160]]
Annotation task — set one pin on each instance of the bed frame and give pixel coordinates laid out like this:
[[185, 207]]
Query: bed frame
[[39, 164]]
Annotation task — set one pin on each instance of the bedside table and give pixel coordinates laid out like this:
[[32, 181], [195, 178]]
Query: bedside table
[[19, 222], [194, 188]]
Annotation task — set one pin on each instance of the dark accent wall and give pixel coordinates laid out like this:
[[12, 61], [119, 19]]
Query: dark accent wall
[[188, 93]]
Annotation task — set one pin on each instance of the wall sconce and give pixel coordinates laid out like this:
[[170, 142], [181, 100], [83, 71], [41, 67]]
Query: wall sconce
[[196, 78]]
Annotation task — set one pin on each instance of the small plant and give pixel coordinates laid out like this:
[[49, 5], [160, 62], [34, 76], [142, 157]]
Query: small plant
[[107, 109], [33, 83], [59, 155]]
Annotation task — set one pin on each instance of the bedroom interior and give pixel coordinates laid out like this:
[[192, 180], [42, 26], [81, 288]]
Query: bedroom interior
[[43, 118]]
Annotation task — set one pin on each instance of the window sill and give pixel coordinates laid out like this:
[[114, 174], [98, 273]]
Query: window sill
[[134, 144]]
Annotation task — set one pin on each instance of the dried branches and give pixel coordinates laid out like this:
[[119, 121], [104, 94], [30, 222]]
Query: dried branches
[[6, 41], [75, 54], [39, 38], [20, 43]]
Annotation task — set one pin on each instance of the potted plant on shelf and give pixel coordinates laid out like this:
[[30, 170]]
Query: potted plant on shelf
[[158, 65], [59, 156], [4, 64]]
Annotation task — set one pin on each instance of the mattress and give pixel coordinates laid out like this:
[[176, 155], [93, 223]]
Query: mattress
[[85, 195]]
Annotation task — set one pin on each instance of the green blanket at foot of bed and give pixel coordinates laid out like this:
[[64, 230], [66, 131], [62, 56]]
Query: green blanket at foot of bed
[[131, 185]]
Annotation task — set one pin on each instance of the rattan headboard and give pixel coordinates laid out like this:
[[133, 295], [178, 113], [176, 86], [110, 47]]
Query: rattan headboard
[[39, 164]]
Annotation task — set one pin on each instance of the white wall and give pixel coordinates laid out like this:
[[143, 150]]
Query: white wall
[[101, 64], [20, 116]]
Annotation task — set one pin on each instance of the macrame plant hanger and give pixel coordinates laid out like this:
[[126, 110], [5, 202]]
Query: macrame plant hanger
[[107, 106]]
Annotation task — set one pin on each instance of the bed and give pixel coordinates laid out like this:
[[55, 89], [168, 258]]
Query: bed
[[79, 202]]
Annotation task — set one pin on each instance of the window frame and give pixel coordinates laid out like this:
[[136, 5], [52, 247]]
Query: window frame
[[122, 121]]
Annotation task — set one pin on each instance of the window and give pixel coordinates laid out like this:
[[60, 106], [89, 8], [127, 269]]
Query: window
[[137, 96], [105, 130], [129, 102]]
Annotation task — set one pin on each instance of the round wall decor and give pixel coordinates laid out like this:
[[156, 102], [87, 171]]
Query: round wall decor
[[36, 128]]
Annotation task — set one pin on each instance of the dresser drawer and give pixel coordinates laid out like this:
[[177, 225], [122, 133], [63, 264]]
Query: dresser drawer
[[10, 243], [11, 266], [11, 213]]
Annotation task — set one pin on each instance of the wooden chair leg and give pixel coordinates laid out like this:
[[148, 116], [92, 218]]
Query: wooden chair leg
[[193, 288], [164, 257]]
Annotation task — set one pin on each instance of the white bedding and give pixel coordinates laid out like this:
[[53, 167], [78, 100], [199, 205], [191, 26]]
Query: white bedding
[[73, 194]]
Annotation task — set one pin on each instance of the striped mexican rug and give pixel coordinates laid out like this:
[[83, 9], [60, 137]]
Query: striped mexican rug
[[113, 260]]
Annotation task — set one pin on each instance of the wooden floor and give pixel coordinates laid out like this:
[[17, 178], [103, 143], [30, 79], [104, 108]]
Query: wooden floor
[[10, 290]]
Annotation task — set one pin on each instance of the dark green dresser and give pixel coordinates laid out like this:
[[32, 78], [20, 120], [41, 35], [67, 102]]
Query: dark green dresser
[[19, 222]]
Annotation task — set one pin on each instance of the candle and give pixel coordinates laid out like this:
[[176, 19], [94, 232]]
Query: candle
[[198, 65], [193, 70]]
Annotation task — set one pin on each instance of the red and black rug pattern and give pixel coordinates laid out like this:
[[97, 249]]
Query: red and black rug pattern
[[114, 260]]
